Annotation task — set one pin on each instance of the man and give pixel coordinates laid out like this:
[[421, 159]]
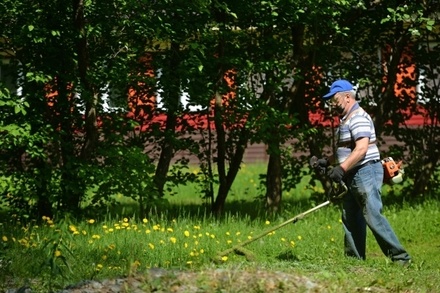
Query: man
[[358, 165]]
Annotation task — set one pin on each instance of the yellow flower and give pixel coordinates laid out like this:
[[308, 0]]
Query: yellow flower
[[72, 228], [125, 220], [151, 245], [299, 237], [147, 231], [91, 221], [104, 257], [173, 239], [96, 236], [224, 258], [229, 241], [145, 220], [267, 222], [104, 227], [292, 243], [99, 267], [283, 239], [170, 229], [5, 239], [186, 233], [329, 227], [57, 253], [156, 227]]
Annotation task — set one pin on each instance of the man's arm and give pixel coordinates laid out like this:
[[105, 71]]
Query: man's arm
[[357, 153]]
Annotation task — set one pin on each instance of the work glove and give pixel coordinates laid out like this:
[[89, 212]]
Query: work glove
[[336, 174], [322, 164], [319, 165]]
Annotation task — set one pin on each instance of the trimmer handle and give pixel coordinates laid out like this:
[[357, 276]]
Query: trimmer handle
[[337, 191]]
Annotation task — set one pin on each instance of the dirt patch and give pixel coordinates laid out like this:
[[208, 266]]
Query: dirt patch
[[215, 280]]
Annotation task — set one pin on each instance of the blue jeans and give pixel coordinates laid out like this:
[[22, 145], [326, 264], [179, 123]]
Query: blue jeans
[[362, 207]]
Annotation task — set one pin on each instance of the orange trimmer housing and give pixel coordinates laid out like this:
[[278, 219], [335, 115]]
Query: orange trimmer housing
[[393, 171]]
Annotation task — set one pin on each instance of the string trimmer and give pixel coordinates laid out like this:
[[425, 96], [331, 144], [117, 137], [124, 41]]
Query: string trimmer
[[335, 193]]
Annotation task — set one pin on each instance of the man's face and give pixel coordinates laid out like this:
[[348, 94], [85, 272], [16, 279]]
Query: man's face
[[339, 104]]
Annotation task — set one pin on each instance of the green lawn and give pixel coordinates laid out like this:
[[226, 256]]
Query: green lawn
[[57, 253]]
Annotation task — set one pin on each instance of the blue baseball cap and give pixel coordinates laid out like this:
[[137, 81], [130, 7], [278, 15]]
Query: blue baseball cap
[[338, 86]]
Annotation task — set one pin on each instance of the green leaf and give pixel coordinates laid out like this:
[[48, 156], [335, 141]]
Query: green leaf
[[30, 27]]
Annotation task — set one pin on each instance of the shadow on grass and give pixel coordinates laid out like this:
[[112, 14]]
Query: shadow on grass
[[243, 209]]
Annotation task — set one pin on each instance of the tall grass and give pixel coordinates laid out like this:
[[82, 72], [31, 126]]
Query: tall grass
[[52, 254]]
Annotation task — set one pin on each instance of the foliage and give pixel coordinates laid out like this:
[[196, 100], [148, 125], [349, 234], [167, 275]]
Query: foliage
[[62, 148]]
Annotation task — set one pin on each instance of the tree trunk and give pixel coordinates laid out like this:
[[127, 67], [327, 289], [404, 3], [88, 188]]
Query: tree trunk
[[172, 102], [274, 183]]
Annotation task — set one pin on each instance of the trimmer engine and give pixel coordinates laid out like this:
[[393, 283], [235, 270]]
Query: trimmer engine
[[393, 172]]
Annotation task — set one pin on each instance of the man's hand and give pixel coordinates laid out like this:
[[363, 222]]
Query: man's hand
[[336, 174], [319, 165]]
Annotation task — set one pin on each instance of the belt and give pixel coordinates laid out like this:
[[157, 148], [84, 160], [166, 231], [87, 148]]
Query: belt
[[355, 169]]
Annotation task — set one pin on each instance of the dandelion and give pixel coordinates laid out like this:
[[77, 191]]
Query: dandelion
[[125, 220], [197, 227], [212, 236], [125, 224], [224, 258], [96, 236], [227, 233], [238, 233], [91, 221], [57, 253], [249, 237], [145, 220], [332, 239], [110, 230], [186, 233], [72, 228], [267, 222], [104, 257], [173, 239], [151, 245], [229, 241], [329, 227], [148, 231], [292, 243], [84, 232], [156, 227], [105, 227], [99, 267], [283, 239], [299, 237], [169, 229], [189, 262], [5, 239]]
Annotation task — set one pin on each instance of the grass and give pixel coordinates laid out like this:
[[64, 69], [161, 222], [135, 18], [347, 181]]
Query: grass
[[52, 254]]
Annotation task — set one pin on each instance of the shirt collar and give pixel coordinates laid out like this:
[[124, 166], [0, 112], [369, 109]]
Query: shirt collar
[[355, 107]]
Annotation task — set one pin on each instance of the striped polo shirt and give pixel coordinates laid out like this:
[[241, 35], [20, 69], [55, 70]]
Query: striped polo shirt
[[353, 126]]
